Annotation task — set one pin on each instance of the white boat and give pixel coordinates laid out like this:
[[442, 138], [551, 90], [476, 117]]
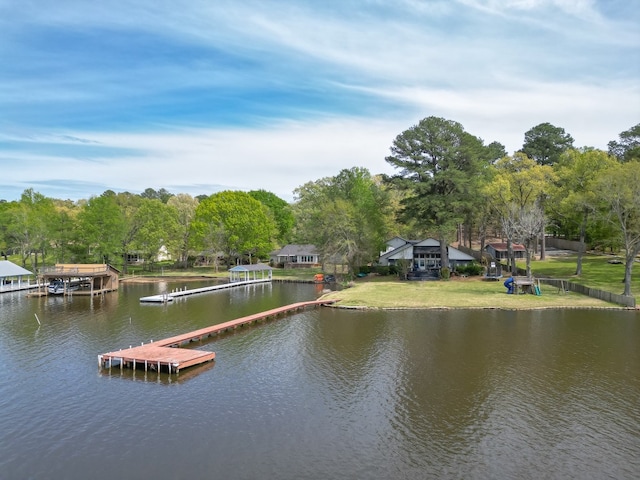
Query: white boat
[[60, 287]]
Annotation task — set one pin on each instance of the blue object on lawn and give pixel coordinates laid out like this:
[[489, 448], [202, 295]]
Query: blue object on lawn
[[509, 284]]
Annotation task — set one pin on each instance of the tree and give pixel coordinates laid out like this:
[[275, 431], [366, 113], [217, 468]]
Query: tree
[[343, 216], [530, 222], [63, 231], [628, 148], [545, 143], [162, 194], [235, 223], [573, 200], [28, 224], [156, 226], [280, 210], [619, 190], [102, 228], [518, 185], [439, 165], [185, 207]]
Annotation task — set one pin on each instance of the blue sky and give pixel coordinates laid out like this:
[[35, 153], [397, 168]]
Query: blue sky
[[199, 96]]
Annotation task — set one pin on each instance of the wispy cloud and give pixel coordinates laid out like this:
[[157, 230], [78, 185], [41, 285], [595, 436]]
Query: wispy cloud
[[169, 92]]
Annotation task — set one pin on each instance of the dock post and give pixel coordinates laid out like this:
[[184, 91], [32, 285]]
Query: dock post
[[99, 360], [145, 365]]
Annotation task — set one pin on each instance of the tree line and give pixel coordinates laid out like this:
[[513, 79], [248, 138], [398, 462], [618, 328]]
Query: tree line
[[447, 182]]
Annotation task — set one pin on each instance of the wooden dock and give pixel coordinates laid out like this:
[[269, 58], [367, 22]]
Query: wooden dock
[[169, 297], [167, 355]]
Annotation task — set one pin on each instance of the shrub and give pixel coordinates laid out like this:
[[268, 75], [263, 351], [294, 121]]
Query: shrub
[[383, 270], [470, 269]]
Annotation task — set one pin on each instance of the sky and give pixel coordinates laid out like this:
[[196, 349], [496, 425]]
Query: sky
[[200, 96]]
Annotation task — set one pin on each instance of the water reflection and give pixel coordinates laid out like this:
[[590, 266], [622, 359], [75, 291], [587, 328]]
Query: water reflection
[[323, 393]]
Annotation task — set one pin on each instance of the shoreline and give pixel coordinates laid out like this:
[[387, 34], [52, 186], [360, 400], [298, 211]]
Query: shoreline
[[374, 298]]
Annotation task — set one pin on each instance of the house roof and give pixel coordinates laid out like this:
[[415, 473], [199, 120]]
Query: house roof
[[400, 252], [397, 253], [10, 269], [455, 254], [429, 242], [502, 247], [250, 268], [295, 249]]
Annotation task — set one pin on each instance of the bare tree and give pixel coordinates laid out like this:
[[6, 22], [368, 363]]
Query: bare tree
[[528, 227]]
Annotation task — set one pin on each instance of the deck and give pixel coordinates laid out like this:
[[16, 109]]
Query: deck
[[167, 355], [169, 297]]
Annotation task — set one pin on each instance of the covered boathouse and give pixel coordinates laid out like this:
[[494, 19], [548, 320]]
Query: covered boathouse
[[14, 277], [91, 278], [256, 272]]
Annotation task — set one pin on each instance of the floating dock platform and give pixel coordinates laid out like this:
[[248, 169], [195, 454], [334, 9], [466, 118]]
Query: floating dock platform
[[167, 355], [169, 297]]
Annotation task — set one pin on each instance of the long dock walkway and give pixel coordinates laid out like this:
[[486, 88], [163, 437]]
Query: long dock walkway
[[166, 354], [169, 297]]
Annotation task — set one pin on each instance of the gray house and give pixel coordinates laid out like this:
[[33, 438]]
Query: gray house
[[292, 256], [421, 256], [499, 250]]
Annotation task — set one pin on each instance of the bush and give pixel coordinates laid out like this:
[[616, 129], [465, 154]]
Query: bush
[[470, 269], [383, 270]]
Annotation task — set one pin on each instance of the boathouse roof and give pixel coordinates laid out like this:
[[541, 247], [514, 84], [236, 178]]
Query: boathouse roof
[[256, 267], [10, 269]]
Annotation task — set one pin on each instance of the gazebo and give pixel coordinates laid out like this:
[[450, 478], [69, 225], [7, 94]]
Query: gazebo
[[258, 272], [11, 277]]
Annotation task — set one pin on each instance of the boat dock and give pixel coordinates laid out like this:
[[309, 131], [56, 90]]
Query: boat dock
[[167, 355], [169, 297]]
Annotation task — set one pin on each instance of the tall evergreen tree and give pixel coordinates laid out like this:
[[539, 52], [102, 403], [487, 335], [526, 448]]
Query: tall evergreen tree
[[438, 165], [545, 143]]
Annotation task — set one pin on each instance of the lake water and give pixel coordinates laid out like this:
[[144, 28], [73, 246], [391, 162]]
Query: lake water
[[321, 394]]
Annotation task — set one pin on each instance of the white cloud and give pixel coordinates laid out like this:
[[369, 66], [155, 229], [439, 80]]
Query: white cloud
[[279, 158]]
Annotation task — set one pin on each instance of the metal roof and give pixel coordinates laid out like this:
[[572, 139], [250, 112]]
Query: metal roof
[[250, 268], [10, 269]]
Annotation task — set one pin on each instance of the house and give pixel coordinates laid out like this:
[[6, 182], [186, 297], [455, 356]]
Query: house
[[499, 251], [12, 277], [421, 256], [296, 256], [137, 258]]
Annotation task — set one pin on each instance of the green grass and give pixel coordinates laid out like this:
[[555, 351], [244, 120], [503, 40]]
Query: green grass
[[472, 292], [596, 272]]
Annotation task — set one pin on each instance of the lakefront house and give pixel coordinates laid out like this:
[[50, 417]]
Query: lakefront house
[[421, 257]]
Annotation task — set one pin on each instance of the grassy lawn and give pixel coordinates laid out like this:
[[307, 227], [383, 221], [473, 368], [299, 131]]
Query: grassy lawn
[[596, 272], [473, 292], [385, 292]]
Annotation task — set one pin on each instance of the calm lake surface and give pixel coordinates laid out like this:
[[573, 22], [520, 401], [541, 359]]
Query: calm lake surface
[[322, 394]]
